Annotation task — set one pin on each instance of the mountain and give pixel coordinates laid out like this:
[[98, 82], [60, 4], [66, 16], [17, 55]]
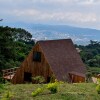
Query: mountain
[[48, 32], [78, 35]]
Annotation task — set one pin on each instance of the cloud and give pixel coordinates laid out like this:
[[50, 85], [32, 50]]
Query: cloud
[[33, 14], [52, 1], [88, 2], [26, 12], [64, 2], [74, 12]]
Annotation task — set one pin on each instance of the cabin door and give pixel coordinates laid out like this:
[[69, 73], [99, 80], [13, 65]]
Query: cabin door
[[48, 79], [27, 77]]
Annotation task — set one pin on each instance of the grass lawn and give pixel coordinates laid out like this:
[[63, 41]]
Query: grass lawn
[[79, 91]]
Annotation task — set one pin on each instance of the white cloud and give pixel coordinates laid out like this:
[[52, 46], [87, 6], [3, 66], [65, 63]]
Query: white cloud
[[81, 17], [52, 1], [27, 12], [32, 15], [88, 2], [84, 2], [74, 12]]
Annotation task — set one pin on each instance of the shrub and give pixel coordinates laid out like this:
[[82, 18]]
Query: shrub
[[2, 80], [52, 78], [98, 88], [38, 91], [98, 81], [7, 96], [39, 79], [2, 88], [53, 87], [88, 76]]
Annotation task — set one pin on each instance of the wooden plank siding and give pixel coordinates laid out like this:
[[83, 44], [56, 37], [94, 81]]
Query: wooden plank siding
[[76, 79], [36, 68]]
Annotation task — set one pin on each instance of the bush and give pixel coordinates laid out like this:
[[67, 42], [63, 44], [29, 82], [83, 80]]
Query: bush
[[7, 96], [53, 87], [98, 88], [39, 79], [98, 81], [2, 88], [2, 80], [38, 91]]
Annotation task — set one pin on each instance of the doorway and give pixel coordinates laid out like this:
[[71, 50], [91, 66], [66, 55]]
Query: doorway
[[48, 79], [27, 77]]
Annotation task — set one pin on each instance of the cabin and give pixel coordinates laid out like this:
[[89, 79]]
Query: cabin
[[57, 59]]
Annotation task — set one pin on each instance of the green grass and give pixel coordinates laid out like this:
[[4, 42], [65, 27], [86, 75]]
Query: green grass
[[80, 91]]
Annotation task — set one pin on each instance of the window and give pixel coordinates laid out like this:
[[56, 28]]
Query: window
[[37, 56]]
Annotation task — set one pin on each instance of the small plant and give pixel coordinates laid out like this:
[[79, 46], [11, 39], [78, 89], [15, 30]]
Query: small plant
[[98, 81], [2, 87], [65, 78], [88, 77], [38, 91], [53, 87], [98, 88], [52, 79], [39, 79], [7, 96]]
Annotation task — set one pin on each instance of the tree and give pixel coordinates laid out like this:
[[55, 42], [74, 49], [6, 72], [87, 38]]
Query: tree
[[15, 43]]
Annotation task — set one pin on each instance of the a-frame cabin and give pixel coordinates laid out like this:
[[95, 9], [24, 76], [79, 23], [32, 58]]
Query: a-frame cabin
[[52, 58]]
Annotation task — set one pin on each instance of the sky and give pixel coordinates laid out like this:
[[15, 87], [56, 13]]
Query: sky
[[80, 13]]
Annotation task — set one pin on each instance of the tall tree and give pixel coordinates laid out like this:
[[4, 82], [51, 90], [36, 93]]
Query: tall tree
[[15, 43]]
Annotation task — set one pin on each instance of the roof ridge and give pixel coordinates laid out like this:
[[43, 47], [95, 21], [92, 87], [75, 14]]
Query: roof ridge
[[54, 40]]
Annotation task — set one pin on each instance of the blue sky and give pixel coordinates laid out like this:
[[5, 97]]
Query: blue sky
[[81, 13]]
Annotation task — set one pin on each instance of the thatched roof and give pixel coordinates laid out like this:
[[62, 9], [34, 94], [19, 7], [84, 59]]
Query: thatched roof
[[62, 57]]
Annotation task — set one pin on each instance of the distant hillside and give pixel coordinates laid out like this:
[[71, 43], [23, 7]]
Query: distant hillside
[[78, 35]]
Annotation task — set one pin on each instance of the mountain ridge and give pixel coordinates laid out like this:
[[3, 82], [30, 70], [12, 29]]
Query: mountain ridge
[[48, 32]]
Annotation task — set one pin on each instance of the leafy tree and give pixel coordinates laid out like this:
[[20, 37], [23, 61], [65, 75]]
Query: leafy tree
[[90, 55], [15, 44]]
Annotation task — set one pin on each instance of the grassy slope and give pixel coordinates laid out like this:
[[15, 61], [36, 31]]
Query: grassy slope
[[81, 91]]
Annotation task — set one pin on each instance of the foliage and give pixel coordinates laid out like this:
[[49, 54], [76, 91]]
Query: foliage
[[53, 87], [38, 91], [90, 53], [52, 78], [2, 80], [80, 91], [39, 79], [15, 44], [1, 87], [93, 70], [88, 77], [7, 96], [98, 88], [98, 81]]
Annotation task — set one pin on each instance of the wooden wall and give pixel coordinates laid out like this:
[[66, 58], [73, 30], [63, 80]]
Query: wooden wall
[[36, 68], [76, 78]]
